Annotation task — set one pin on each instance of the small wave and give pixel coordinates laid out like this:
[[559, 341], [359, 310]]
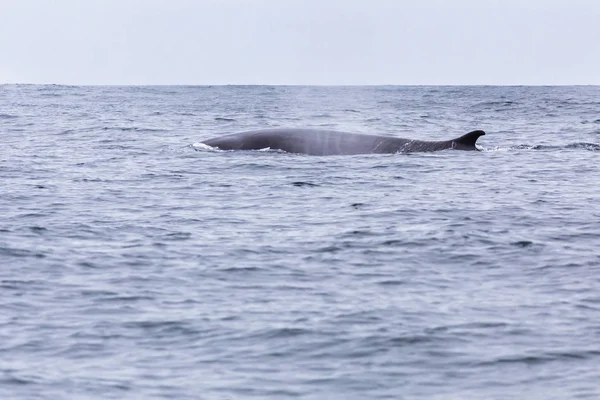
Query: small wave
[[505, 103], [133, 129], [576, 146], [52, 86], [517, 147], [358, 233], [350, 110], [225, 119], [301, 184], [544, 357], [177, 236], [88, 264], [8, 116], [38, 229], [83, 130], [110, 147], [536, 147], [14, 252], [126, 299], [285, 333], [327, 125], [376, 343], [584, 146], [496, 106], [392, 282], [596, 121], [523, 243], [328, 249], [393, 242], [163, 328], [241, 269], [198, 146], [151, 130], [13, 380]]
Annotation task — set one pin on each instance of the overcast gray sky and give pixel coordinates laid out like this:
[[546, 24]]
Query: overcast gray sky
[[353, 42]]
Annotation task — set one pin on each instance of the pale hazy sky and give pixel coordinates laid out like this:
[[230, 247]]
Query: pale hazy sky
[[352, 42]]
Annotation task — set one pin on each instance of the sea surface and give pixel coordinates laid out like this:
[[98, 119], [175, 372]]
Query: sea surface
[[136, 263]]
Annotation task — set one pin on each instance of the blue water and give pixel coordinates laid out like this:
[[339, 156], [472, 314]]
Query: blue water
[[136, 264]]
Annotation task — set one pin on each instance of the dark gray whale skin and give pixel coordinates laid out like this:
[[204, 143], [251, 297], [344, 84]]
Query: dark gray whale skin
[[325, 142]]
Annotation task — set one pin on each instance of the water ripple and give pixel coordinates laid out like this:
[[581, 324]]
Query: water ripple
[[136, 262]]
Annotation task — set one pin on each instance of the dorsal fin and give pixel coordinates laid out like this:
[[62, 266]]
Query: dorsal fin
[[469, 139]]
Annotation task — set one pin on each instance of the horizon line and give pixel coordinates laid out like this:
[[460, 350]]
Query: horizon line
[[303, 85]]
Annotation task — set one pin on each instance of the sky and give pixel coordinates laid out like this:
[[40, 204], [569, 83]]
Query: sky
[[300, 42]]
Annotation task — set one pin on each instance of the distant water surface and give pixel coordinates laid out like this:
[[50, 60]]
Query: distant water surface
[[134, 263]]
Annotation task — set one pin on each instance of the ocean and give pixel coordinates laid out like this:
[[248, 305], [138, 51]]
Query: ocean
[[136, 263]]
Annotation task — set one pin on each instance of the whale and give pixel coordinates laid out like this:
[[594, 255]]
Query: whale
[[319, 142]]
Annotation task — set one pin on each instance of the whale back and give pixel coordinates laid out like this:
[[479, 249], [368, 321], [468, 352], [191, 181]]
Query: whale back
[[303, 141], [327, 142]]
